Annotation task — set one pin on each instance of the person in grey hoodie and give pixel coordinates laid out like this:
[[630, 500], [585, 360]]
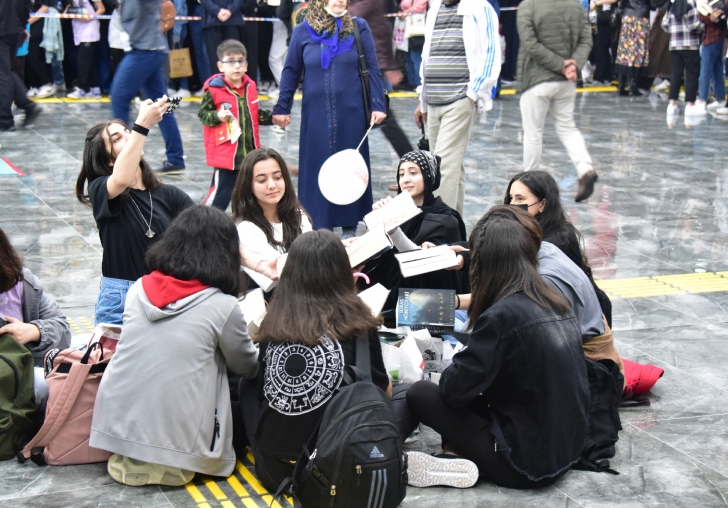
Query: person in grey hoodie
[[163, 406]]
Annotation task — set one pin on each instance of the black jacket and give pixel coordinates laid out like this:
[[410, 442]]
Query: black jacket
[[524, 370], [14, 15]]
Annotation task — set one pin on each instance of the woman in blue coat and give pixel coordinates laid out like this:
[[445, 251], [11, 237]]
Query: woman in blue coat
[[333, 115]]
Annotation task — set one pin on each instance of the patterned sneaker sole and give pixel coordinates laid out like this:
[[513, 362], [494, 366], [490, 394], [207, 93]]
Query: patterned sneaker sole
[[426, 471]]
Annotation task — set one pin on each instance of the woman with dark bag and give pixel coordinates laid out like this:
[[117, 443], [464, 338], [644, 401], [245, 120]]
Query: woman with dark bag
[[131, 206], [538, 194], [333, 109], [306, 339], [512, 407], [163, 407]]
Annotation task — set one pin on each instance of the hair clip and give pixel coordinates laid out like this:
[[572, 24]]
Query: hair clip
[[362, 275]]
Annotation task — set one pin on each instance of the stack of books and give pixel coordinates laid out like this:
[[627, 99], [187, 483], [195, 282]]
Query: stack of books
[[417, 262]]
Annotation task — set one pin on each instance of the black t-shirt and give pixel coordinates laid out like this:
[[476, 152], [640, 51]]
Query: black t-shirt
[[297, 385], [122, 229]]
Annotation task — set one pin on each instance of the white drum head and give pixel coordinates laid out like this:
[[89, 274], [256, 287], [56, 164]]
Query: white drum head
[[344, 177]]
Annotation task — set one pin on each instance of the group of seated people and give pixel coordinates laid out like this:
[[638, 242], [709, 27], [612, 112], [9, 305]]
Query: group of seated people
[[514, 402]]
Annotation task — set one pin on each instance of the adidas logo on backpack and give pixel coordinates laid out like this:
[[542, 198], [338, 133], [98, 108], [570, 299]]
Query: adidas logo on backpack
[[376, 454]]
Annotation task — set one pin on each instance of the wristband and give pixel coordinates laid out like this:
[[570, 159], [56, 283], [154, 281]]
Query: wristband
[[141, 130]]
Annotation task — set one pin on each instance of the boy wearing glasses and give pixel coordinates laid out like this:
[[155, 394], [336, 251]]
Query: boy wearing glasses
[[230, 115]]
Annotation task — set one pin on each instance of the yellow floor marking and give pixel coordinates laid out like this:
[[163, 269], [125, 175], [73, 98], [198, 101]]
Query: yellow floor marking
[[195, 493], [270, 502], [252, 480], [227, 504], [249, 503], [237, 487], [219, 494], [74, 326], [85, 322], [250, 457]]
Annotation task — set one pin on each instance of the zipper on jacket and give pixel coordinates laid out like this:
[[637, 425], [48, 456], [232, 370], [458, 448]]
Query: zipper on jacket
[[15, 374], [215, 432]]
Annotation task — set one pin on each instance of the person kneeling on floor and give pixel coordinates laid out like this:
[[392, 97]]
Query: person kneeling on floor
[[515, 401], [163, 406]]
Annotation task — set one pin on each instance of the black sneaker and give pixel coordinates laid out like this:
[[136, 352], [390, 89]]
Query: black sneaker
[[30, 115], [169, 169]]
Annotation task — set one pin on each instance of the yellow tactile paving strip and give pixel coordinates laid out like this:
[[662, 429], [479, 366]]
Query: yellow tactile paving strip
[[662, 285]]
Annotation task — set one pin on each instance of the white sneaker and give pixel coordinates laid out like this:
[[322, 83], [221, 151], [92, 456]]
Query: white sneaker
[[94, 93], [715, 105], [681, 96], [199, 93], [171, 92], [273, 94], [184, 93], [426, 471], [31, 92], [664, 85], [697, 109], [278, 130], [45, 91], [692, 121], [77, 94], [722, 111], [672, 110]]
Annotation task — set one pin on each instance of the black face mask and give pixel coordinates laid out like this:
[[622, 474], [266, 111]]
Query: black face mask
[[523, 207]]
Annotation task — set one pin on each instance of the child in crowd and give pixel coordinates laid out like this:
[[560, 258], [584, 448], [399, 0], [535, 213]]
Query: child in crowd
[[230, 114], [163, 406], [86, 35], [683, 24], [266, 209]]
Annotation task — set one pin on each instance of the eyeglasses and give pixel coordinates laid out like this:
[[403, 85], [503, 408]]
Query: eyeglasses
[[233, 63]]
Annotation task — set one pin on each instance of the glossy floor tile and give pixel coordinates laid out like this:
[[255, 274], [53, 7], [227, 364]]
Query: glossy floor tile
[[660, 208]]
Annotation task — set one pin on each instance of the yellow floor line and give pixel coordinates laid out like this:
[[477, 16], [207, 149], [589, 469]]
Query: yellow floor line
[[237, 487], [195, 493], [216, 491], [252, 480]]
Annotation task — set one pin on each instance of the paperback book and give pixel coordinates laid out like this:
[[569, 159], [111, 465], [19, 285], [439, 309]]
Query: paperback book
[[417, 262], [393, 214], [369, 246], [433, 309]]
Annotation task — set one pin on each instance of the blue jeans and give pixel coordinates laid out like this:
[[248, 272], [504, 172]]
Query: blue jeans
[[57, 71], [112, 298], [142, 70], [414, 61], [182, 81], [201, 61], [711, 69]]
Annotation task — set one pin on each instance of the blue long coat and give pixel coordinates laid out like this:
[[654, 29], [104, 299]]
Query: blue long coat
[[332, 117]]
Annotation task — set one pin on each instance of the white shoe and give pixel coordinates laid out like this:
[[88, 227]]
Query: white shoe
[[715, 105], [94, 93], [76, 94], [273, 94], [199, 93], [672, 110], [278, 130], [171, 92], [697, 109], [681, 96], [31, 92], [722, 111], [692, 121], [426, 471], [664, 85], [183, 92], [45, 91]]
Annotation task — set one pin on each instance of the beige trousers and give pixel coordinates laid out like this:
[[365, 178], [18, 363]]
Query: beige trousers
[[557, 98], [449, 129]]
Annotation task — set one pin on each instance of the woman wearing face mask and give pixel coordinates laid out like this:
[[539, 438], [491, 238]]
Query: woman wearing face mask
[[266, 210], [333, 110], [537, 193], [419, 175]]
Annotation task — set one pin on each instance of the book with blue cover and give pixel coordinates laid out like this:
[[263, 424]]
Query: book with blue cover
[[433, 309]]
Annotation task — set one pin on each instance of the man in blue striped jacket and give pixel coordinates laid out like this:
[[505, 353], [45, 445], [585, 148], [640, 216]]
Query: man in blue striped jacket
[[461, 61]]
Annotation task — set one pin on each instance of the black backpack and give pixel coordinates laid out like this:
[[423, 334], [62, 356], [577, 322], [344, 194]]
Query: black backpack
[[355, 456], [605, 386]]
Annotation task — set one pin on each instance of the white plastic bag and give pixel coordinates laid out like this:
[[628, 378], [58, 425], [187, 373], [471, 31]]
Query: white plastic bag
[[392, 357], [412, 363]]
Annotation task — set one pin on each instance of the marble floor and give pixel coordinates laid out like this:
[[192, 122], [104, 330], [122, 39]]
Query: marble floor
[[660, 208]]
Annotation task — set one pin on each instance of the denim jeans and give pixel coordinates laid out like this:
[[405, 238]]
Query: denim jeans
[[143, 70], [112, 298], [57, 71], [414, 61], [711, 69]]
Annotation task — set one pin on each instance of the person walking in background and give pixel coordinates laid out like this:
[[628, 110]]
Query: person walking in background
[[13, 15], [711, 60], [175, 39], [414, 51], [603, 41], [141, 68], [333, 111], [459, 72], [633, 51], [555, 42], [86, 35]]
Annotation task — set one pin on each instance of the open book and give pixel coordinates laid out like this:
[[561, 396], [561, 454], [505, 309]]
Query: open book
[[253, 307], [417, 262], [375, 297], [393, 214], [369, 246]]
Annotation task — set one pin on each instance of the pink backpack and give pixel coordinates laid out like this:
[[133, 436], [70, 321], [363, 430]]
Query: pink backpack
[[73, 383]]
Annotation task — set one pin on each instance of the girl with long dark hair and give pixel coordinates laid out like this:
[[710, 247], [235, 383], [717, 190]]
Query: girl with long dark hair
[[132, 208], [538, 194], [266, 210], [306, 339], [513, 406], [163, 407]]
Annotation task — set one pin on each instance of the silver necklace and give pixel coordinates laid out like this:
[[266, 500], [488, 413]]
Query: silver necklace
[[149, 233]]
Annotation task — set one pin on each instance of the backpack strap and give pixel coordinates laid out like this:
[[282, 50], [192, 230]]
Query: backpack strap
[[596, 466], [58, 415], [363, 74], [362, 359]]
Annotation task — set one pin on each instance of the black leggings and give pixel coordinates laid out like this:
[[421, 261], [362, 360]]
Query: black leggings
[[687, 60], [86, 77], [468, 434]]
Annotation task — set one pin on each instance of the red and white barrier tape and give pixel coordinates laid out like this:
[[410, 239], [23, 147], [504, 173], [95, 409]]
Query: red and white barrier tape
[[108, 16]]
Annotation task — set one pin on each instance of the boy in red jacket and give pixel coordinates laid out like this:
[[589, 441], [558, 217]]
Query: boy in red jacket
[[230, 114]]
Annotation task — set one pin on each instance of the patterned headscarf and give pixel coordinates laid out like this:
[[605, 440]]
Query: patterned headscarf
[[429, 164], [324, 23]]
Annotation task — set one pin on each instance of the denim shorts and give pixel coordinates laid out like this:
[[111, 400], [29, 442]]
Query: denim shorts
[[112, 297]]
